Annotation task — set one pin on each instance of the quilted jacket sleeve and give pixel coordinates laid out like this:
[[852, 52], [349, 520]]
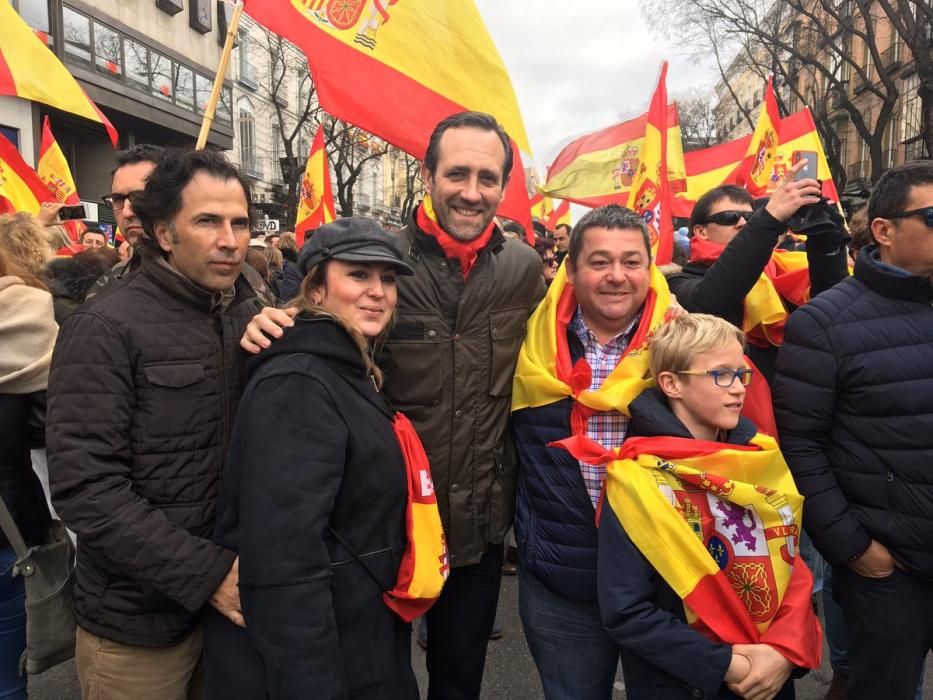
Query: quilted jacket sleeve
[[290, 463], [804, 401], [91, 400]]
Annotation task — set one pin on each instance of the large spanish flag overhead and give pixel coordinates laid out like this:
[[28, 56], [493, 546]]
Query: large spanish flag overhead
[[53, 170], [599, 168], [28, 69], [20, 187], [397, 67], [711, 167], [316, 199]]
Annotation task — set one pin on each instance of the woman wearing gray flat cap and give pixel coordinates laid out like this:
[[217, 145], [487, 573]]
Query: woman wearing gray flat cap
[[322, 484]]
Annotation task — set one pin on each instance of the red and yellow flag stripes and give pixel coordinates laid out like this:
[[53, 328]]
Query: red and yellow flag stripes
[[316, 199], [397, 67], [599, 168], [561, 215], [20, 187], [53, 170], [755, 171], [721, 525], [28, 69]]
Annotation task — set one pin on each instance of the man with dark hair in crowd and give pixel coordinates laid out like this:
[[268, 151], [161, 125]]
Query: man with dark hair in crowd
[[448, 365], [853, 398], [142, 394], [731, 249], [561, 241], [93, 238], [128, 178]]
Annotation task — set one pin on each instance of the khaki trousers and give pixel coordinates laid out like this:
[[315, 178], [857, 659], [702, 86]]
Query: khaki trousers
[[108, 670]]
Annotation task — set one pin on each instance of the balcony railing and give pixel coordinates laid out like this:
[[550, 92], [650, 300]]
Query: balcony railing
[[361, 203], [839, 95], [857, 172], [861, 84], [892, 57], [246, 74]]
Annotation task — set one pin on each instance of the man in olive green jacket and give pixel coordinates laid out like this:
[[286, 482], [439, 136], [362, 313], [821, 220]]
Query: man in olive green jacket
[[448, 364]]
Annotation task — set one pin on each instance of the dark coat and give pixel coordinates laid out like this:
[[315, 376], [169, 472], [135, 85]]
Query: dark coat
[[854, 405], [22, 428], [314, 453], [555, 525], [662, 656], [142, 393], [449, 363], [720, 289]]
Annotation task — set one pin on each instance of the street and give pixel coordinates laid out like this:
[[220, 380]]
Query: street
[[510, 672]]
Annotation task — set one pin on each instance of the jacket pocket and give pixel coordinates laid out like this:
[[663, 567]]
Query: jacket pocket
[[172, 401], [365, 625], [413, 361], [506, 332]]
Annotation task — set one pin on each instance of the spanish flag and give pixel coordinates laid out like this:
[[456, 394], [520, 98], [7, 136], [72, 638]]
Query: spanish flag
[[53, 170], [396, 68], [28, 69], [561, 215], [541, 207], [712, 167], [756, 170], [600, 167], [316, 199], [651, 194], [20, 187], [721, 524]]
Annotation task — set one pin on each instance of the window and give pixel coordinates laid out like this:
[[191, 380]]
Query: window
[[184, 87], [77, 31], [202, 91], [225, 106], [34, 12], [162, 83], [137, 64], [911, 118], [247, 132], [107, 54]]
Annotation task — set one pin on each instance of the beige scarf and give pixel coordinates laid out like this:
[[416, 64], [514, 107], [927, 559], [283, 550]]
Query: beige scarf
[[27, 336]]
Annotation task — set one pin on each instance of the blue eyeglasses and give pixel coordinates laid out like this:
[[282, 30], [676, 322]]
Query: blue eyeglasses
[[724, 377], [925, 212]]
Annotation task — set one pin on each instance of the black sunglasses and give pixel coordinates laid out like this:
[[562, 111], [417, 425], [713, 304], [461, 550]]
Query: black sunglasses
[[925, 212], [728, 218]]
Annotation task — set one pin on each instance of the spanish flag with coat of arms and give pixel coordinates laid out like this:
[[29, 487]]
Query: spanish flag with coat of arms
[[316, 198], [53, 170], [398, 67]]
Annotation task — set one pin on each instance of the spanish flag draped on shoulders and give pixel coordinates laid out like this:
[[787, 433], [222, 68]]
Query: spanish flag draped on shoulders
[[719, 522]]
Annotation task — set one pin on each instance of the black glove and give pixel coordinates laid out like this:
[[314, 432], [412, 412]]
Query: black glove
[[821, 223]]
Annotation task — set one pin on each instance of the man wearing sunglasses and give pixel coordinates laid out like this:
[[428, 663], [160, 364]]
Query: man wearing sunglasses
[[731, 251], [854, 404]]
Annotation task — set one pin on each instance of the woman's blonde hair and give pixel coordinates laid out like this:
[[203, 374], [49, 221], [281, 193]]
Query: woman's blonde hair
[[25, 240], [273, 256], [287, 240], [675, 344], [315, 280]]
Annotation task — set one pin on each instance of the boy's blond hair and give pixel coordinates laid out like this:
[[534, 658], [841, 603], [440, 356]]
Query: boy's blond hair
[[676, 343]]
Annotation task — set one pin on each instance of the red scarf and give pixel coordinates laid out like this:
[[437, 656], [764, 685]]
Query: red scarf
[[425, 566], [465, 251]]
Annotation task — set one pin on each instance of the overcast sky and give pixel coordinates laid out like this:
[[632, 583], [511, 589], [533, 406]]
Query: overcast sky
[[577, 65]]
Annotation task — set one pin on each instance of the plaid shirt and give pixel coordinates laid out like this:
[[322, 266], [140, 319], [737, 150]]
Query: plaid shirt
[[608, 428]]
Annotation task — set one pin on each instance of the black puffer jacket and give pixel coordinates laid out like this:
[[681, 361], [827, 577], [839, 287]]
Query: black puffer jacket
[[854, 404], [720, 289], [314, 454], [142, 394]]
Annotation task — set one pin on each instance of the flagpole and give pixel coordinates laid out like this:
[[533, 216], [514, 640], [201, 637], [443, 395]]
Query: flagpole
[[219, 78]]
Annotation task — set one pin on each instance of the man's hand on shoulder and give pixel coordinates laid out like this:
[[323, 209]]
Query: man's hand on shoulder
[[227, 596], [267, 324], [875, 562], [793, 194]]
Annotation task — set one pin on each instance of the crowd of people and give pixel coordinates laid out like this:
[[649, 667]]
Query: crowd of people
[[274, 458]]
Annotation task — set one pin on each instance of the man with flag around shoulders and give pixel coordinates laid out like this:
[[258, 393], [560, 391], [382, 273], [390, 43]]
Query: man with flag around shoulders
[[448, 363], [583, 361], [853, 399], [700, 580], [735, 273]]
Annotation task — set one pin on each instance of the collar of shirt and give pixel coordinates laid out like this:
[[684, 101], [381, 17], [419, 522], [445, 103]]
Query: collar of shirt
[[588, 338]]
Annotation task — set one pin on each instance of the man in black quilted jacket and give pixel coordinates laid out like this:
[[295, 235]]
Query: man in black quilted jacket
[[854, 404], [142, 393]]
